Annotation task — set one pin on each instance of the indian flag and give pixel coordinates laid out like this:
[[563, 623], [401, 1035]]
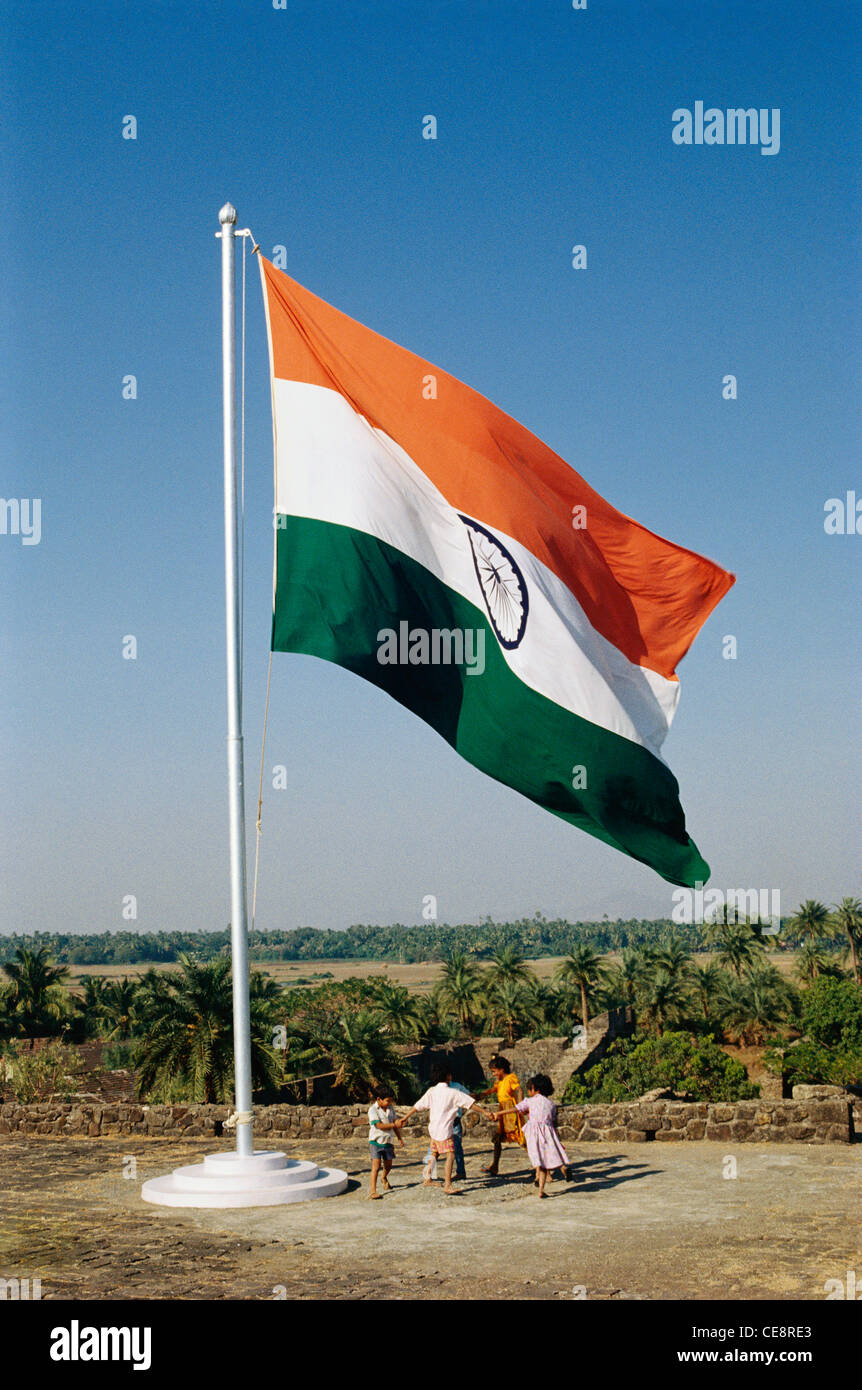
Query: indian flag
[[431, 544]]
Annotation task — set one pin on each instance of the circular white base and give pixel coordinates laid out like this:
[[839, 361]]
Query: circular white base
[[265, 1179]]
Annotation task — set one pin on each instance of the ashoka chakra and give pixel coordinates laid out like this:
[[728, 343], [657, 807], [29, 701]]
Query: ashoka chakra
[[502, 584]]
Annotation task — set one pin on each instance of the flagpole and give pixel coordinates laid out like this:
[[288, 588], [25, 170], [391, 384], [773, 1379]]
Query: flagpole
[[243, 1178], [236, 795]]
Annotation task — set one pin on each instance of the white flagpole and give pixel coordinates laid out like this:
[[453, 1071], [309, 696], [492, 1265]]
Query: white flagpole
[[236, 794], [244, 1178]]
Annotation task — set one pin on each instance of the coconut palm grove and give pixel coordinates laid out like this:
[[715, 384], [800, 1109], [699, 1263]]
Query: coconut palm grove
[[715, 1008]]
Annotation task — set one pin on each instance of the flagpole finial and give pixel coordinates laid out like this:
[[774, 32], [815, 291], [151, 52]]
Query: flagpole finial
[[227, 216]]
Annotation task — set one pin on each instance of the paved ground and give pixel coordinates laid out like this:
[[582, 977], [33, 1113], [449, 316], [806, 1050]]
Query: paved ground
[[641, 1221]]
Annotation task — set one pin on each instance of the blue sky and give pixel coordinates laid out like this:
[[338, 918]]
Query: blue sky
[[554, 128]]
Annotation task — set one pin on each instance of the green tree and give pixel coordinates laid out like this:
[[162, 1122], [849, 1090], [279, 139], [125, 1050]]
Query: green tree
[[752, 1006], [513, 1008], [676, 1061], [811, 1063], [363, 1058], [583, 971], [812, 961], [461, 990], [848, 919], [38, 1002], [832, 1012], [661, 1000], [88, 1005], [508, 967], [673, 958], [831, 1050], [707, 983], [738, 946], [811, 919], [633, 966], [399, 1012], [7, 1007], [187, 1050], [117, 1010]]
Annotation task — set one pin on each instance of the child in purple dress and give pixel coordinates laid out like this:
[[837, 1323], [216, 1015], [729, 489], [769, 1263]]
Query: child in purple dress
[[543, 1142]]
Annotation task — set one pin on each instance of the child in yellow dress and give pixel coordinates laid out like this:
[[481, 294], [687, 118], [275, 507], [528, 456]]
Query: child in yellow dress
[[507, 1089]]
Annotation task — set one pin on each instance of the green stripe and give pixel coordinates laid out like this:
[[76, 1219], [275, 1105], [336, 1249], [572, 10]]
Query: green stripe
[[337, 587]]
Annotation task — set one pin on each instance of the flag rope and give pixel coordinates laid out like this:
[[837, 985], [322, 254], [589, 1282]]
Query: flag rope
[[242, 487], [260, 795], [244, 233]]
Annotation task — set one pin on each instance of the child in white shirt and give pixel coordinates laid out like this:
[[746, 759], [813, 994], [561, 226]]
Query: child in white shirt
[[383, 1128], [443, 1102]]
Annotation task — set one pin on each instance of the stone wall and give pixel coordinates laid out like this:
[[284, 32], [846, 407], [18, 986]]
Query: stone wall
[[555, 1057], [815, 1121], [744, 1121], [853, 1094], [527, 1058], [470, 1061], [601, 1032]]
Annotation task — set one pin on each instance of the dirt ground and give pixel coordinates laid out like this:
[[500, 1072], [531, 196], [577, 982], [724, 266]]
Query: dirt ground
[[640, 1221]]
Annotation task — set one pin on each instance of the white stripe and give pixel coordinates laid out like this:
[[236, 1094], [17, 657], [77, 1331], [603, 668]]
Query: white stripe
[[332, 465]]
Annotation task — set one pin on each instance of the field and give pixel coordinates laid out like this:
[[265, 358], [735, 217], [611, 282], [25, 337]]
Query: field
[[420, 978]]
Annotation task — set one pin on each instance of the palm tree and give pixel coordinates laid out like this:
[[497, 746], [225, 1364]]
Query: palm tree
[[662, 999], [264, 991], [154, 988], [673, 958], [38, 1001], [437, 1022], [583, 970], [508, 967], [461, 990], [751, 1006], [512, 1007], [812, 919], [739, 946], [399, 1012], [89, 1004], [848, 918], [117, 1009], [631, 969], [362, 1057], [188, 1045], [811, 961], [7, 1006], [707, 982], [553, 1006]]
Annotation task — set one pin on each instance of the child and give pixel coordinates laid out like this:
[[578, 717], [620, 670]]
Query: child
[[429, 1171], [508, 1091], [458, 1131], [442, 1102], [543, 1142], [383, 1128]]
